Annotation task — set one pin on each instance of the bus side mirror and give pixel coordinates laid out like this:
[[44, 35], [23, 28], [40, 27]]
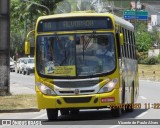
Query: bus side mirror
[[27, 47], [121, 39], [28, 43]]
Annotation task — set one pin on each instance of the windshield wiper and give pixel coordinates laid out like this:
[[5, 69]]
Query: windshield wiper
[[86, 43], [65, 54], [65, 58], [89, 40]]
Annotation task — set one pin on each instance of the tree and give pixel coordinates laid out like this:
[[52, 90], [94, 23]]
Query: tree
[[23, 18], [17, 33], [143, 38]]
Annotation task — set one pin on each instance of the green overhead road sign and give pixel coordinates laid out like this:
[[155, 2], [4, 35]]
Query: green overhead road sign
[[131, 14], [142, 13]]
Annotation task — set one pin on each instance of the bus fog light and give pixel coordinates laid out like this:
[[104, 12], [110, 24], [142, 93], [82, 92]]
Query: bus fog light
[[45, 89]]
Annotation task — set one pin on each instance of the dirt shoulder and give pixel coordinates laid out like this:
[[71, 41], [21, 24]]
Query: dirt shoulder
[[13, 102]]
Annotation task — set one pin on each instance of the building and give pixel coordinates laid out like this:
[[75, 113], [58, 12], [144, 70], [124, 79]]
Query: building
[[153, 9]]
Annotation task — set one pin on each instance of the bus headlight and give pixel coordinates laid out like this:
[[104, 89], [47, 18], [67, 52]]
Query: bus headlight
[[45, 89], [109, 86]]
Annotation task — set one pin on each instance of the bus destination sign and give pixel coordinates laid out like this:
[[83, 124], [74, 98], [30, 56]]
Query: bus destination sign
[[78, 23]]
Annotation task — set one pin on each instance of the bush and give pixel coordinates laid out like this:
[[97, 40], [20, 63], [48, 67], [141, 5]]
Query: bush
[[142, 57], [143, 61], [152, 60]]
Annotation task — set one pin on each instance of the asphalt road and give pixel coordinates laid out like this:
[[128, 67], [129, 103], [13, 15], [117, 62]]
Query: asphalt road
[[23, 80], [149, 94]]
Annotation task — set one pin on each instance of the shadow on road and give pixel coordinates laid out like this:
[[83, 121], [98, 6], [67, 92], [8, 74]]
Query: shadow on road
[[94, 117]]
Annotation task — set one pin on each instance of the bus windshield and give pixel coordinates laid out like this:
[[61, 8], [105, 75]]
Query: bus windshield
[[75, 55]]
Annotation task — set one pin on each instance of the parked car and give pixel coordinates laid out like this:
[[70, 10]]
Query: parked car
[[28, 66], [12, 65], [20, 63]]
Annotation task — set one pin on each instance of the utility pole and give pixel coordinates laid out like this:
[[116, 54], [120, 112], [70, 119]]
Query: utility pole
[[4, 47]]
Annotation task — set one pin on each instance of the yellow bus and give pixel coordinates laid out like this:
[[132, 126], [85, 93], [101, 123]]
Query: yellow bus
[[85, 61]]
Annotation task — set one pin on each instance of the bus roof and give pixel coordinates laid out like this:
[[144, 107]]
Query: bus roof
[[123, 22], [115, 18]]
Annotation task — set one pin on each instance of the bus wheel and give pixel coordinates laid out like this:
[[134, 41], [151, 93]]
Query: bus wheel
[[128, 108], [116, 112], [52, 114], [64, 112], [74, 111]]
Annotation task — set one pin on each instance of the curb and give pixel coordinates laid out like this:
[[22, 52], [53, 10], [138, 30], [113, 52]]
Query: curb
[[20, 110], [157, 81]]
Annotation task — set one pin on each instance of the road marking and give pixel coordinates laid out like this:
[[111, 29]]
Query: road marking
[[142, 97], [142, 114], [38, 117], [114, 126]]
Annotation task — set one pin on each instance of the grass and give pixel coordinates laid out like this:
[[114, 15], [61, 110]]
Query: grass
[[17, 102], [150, 72]]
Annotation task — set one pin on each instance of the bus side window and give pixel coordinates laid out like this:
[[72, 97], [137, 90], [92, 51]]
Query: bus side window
[[134, 46], [125, 43], [118, 45], [130, 44]]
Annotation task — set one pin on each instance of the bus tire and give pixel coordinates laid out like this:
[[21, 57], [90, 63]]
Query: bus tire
[[74, 111], [52, 114], [116, 112], [123, 91], [64, 112]]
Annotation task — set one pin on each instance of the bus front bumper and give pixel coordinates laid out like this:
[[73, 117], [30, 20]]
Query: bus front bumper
[[78, 101]]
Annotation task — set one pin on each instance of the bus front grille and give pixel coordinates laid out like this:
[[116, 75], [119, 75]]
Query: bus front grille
[[76, 86], [80, 92], [76, 83]]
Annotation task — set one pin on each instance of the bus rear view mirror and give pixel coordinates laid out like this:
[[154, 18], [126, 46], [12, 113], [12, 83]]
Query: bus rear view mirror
[[27, 47], [28, 43], [121, 39]]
